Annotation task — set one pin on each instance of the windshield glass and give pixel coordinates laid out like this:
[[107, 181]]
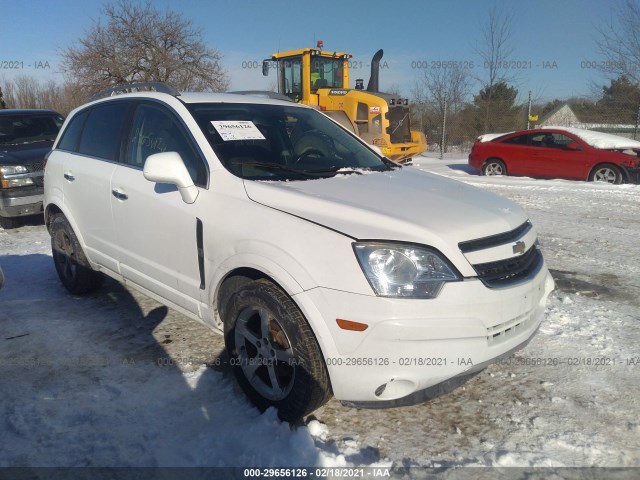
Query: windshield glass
[[326, 73], [278, 142], [18, 129]]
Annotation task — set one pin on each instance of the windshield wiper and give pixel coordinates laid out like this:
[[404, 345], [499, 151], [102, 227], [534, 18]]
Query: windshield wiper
[[286, 168], [338, 170]]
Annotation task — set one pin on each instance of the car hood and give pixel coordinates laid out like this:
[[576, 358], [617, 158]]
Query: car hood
[[403, 205], [24, 153]]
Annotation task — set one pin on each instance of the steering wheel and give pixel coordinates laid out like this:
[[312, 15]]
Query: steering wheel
[[308, 153], [315, 143]]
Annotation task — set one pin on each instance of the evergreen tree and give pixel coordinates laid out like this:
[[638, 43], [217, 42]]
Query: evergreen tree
[[505, 115]]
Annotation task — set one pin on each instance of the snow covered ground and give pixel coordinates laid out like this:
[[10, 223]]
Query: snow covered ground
[[115, 379]]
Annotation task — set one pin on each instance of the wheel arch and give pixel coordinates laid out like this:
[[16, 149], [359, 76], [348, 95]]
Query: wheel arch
[[231, 282], [236, 277], [499, 159], [623, 170], [53, 209], [506, 170]]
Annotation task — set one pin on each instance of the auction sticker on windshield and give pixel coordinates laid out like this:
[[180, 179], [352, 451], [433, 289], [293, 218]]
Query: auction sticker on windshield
[[237, 130]]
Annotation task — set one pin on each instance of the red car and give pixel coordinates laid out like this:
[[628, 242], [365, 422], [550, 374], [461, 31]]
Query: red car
[[570, 153]]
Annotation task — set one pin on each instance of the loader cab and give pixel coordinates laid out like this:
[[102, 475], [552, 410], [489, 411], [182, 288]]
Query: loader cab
[[301, 73], [326, 73]]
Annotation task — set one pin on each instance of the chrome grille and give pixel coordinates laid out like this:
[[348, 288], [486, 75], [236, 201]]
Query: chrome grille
[[35, 166]]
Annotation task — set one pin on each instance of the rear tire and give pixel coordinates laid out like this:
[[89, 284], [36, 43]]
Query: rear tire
[[273, 351], [494, 167], [606, 173], [71, 264]]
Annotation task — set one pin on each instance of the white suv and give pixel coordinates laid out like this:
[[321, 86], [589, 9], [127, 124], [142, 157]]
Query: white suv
[[328, 268]]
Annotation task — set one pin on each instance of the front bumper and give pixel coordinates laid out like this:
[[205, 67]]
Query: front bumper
[[412, 346], [14, 205], [633, 175], [403, 152]]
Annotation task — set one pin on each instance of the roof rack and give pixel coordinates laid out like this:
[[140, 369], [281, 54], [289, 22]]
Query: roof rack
[[264, 94], [139, 87]]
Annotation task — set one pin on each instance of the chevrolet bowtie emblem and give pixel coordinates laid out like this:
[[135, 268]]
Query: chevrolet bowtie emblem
[[519, 247]]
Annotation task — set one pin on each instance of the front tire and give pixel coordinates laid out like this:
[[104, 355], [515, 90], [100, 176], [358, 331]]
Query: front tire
[[273, 351], [71, 264], [8, 222], [606, 173], [493, 167]]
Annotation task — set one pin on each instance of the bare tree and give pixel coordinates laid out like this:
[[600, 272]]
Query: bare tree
[[7, 90], [447, 87], [27, 92], [138, 43], [495, 49], [440, 96], [61, 97], [618, 41]]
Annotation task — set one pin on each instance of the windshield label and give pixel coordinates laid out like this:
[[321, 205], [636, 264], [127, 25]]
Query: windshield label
[[237, 130]]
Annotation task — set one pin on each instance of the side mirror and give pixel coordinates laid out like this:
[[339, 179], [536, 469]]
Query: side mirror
[[168, 167], [265, 67], [573, 147]]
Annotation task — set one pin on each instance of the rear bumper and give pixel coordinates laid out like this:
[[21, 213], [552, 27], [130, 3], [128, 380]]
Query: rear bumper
[[474, 161]]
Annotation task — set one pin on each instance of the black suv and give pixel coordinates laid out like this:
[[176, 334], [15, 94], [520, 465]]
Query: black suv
[[25, 138]]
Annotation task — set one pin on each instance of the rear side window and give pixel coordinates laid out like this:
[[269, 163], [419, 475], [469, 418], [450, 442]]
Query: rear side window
[[102, 130], [517, 140], [71, 135]]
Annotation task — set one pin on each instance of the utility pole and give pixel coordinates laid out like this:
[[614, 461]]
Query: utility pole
[[529, 112], [444, 128]]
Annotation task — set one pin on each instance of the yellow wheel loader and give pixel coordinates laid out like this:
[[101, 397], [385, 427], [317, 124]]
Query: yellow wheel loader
[[316, 77]]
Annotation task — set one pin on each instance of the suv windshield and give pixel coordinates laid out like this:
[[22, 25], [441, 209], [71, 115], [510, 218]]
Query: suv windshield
[[28, 128], [277, 142]]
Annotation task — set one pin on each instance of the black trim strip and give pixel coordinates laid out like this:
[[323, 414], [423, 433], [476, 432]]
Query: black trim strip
[[495, 240], [200, 247]]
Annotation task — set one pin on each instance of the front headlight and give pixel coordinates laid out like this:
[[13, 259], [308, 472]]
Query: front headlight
[[14, 176], [403, 270], [12, 170]]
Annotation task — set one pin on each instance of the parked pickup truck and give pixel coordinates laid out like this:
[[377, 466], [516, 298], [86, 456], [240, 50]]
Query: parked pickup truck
[[26, 136]]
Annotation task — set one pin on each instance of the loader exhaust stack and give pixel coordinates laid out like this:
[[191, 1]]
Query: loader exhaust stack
[[373, 86]]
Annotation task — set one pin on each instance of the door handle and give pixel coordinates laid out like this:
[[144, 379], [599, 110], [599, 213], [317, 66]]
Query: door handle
[[69, 176], [119, 194]]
